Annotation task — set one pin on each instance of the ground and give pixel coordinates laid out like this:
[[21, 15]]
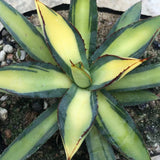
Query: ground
[[22, 111]]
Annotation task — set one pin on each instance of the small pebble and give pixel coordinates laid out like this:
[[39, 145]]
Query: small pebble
[[3, 104], [21, 54], [2, 55], [157, 146], [8, 48], [156, 158], [3, 98], [45, 105], [1, 42], [3, 114], [4, 33]]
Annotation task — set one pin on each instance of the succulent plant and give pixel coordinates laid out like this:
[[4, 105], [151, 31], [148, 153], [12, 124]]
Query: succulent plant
[[95, 84]]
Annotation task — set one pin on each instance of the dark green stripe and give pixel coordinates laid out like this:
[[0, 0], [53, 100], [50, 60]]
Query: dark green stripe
[[71, 16], [94, 105], [93, 16], [98, 146], [130, 16], [17, 69], [35, 65], [39, 66], [145, 68], [136, 88], [104, 131], [138, 70], [53, 93], [134, 97], [64, 104]]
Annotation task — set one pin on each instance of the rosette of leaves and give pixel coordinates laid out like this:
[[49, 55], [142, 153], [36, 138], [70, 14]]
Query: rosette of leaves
[[95, 84]]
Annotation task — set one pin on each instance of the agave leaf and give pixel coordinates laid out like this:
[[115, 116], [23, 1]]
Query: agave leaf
[[34, 80], [83, 15], [64, 40], [108, 69], [130, 41], [76, 113], [25, 33], [29, 141], [130, 16], [98, 147], [141, 78], [80, 76], [131, 98], [115, 123]]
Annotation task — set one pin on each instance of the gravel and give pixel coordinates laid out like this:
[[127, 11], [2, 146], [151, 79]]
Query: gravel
[[2, 55], [3, 114], [8, 48]]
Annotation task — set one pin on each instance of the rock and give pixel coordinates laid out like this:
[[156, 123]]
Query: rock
[[8, 48], [1, 42], [3, 114], [21, 54], [3, 98], [157, 147], [2, 55], [156, 158], [45, 105], [4, 32]]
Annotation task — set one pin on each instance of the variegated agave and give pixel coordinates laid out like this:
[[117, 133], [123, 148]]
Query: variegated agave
[[91, 82]]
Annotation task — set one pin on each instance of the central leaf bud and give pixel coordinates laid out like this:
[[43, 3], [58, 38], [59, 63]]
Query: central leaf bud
[[81, 76]]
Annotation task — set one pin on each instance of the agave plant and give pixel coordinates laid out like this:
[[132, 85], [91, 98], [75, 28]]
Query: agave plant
[[94, 83]]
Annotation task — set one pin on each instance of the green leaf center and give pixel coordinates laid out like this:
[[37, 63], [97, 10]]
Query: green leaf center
[[81, 76]]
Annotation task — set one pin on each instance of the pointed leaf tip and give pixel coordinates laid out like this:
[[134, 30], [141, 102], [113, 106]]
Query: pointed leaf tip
[[63, 39], [109, 68], [76, 113]]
